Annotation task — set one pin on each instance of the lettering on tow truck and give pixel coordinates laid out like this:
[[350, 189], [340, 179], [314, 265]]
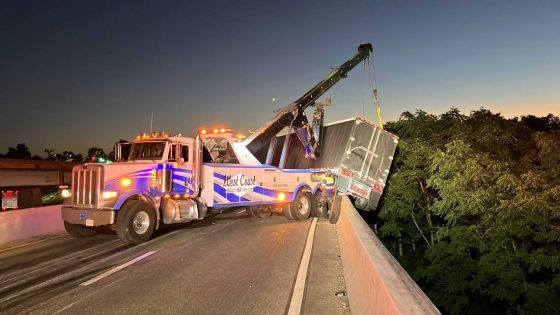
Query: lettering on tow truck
[[239, 184]]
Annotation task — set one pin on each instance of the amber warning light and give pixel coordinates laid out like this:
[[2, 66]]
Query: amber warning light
[[160, 134], [214, 131]]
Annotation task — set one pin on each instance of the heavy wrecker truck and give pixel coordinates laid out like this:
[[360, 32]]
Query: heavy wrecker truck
[[168, 179]]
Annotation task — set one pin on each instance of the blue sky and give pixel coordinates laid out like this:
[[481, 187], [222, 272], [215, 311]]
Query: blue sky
[[75, 74]]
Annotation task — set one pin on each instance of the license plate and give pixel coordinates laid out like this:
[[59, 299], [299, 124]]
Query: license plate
[[83, 216], [360, 189]]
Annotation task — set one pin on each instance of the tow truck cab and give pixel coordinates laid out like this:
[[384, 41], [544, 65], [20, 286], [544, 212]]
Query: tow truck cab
[[171, 179]]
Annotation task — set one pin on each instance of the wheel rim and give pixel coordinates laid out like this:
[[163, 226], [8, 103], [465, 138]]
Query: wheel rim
[[303, 206], [264, 212], [141, 222]]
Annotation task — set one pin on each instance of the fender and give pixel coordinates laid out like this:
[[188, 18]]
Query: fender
[[140, 192], [143, 195], [316, 188], [299, 187]]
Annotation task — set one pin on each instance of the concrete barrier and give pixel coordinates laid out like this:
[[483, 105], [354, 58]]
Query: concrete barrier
[[19, 225], [375, 281]]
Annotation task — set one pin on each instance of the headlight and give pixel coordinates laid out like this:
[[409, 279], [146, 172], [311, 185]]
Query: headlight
[[108, 194], [125, 182], [65, 193]]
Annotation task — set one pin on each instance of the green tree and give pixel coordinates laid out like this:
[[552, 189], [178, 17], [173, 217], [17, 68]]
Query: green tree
[[472, 210], [21, 151], [96, 154]]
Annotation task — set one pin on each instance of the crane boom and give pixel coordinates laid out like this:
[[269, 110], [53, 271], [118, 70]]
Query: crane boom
[[293, 114]]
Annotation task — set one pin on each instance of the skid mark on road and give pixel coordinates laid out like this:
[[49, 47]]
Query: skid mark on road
[[32, 243], [116, 269]]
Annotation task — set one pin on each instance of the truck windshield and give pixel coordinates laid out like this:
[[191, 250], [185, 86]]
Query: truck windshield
[[147, 151]]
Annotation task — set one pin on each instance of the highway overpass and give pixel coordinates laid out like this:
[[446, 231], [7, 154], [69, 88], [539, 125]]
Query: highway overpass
[[227, 263], [31, 178]]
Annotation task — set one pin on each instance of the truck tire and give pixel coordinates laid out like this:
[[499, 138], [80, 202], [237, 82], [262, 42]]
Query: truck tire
[[136, 222], [287, 209], [361, 203], [79, 231], [300, 208], [316, 205], [334, 211], [259, 212]]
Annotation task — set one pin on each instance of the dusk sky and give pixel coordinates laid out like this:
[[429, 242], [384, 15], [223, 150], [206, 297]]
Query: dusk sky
[[76, 74]]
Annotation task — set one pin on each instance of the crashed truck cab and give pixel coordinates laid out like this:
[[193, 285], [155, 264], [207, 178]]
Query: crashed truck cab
[[155, 182]]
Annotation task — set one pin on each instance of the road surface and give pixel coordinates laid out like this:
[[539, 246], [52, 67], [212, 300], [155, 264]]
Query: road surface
[[228, 263]]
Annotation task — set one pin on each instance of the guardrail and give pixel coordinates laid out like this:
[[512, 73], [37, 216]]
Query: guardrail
[[24, 224], [375, 282]]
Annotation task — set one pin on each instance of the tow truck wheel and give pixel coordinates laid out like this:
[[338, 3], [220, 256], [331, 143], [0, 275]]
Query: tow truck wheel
[[287, 209], [135, 222], [300, 208], [316, 205], [79, 231]]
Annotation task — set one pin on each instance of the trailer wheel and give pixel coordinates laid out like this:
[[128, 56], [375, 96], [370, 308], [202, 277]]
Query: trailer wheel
[[79, 231], [135, 222], [334, 212], [300, 208], [259, 212], [251, 212], [316, 205]]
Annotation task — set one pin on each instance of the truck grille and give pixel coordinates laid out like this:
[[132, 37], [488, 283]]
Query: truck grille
[[86, 185]]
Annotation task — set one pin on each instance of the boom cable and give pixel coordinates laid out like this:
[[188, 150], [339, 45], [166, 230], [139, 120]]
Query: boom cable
[[364, 73], [373, 86]]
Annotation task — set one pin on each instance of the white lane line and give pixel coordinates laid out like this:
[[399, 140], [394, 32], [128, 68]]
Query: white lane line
[[118, 268], [32, 243], [299, 286]]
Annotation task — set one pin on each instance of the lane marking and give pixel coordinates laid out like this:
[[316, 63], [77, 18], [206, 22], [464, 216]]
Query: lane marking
[[299, 286], [32, 243], [118, 268]]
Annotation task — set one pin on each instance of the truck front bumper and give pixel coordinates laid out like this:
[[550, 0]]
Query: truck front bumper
[[88, 217]]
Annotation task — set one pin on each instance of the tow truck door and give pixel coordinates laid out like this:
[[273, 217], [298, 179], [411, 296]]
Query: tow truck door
[[181, 154]]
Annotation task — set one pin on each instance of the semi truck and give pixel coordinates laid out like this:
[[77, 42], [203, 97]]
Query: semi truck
[[168, 179]]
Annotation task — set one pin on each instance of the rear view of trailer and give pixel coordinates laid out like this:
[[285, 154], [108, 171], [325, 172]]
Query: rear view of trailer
[[361, 152]]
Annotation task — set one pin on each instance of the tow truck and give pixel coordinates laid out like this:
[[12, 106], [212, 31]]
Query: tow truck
[[169, 179]]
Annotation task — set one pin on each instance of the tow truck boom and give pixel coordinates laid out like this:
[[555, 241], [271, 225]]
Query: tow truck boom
[[293, 114]]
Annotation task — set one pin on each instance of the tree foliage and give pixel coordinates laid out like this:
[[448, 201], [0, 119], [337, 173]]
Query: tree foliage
[[472, 210], [21, 151], [96, 154]]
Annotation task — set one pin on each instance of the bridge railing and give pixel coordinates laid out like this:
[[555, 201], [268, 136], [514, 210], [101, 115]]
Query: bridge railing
[[375, 282], [26, 224]]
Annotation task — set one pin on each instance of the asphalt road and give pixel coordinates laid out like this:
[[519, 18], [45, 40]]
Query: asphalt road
[[226, 264]]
